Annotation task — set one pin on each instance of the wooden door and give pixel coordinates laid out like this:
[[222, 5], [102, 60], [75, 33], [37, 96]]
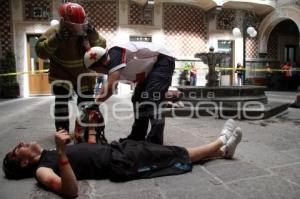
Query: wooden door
[[38, 69]]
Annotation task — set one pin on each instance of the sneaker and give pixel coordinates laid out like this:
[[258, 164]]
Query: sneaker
[[228, 129], [229, 148]]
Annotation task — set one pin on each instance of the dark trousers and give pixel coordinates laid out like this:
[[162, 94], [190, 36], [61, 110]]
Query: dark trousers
[[269, 82], [147, 98], [286, 83], [193, 80], [61, 108], [240, 79], [136, 160]]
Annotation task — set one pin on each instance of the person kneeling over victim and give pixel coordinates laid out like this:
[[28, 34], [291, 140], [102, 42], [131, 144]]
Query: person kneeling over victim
[[58, 170]]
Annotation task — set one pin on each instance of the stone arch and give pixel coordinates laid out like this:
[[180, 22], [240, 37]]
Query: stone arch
[[272, 20]]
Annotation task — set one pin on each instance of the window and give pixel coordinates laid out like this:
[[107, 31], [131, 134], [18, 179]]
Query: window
[[224, 45], [37, 12]]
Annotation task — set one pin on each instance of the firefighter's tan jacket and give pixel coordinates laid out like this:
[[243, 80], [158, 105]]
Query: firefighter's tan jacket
[[66, 57]]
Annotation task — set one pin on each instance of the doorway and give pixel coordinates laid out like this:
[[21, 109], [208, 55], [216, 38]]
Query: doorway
[[226, 72], [38, 69]]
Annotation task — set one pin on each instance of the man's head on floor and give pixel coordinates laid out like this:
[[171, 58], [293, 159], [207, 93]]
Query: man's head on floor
[[21, 162]]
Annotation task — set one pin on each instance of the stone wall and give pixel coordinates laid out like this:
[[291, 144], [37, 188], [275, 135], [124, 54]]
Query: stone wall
[[226, 20], [103, 15], [6, 32], [186, 35], [273, 46], [37, 10], [139, 15]]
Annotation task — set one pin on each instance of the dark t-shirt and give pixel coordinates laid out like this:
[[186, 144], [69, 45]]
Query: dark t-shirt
[[121, 161], [89, 161]]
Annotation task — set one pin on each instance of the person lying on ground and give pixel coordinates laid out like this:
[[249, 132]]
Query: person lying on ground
[[58, 170]]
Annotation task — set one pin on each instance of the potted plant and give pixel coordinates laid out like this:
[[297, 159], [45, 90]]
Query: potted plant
[[8, 83], [184, 74]]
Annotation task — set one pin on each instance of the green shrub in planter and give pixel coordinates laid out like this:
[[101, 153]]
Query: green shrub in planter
[[8, 84], [184, 77]]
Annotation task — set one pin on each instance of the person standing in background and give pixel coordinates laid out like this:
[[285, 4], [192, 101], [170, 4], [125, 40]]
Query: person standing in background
[[193, 75], [286, 71], [294, 76], [239, 72], [269, 75]]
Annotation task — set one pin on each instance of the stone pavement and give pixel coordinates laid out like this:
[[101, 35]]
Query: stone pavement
[[266, 164]]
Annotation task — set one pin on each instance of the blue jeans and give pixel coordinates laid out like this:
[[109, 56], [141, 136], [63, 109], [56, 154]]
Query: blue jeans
[[193, 81]]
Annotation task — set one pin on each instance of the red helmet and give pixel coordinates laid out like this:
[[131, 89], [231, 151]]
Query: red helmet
[[72, 12]]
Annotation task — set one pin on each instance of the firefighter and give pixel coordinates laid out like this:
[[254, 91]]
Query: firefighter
[[65, 45]]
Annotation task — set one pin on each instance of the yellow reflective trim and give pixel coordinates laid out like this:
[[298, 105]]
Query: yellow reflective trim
[[69, 61], [84, 88], [24, 73], [249, 68], [65, 85], [204, 68], [68, 64]]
